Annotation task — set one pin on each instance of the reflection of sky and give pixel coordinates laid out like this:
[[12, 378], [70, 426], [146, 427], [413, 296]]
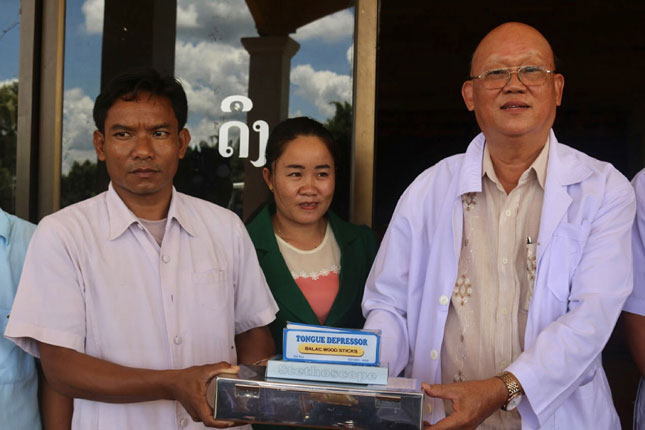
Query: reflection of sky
[[82, 52], [209, 60], [10, 41], [324, 56]]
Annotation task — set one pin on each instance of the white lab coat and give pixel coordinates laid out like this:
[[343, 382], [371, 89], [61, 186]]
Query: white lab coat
[[583, 276]]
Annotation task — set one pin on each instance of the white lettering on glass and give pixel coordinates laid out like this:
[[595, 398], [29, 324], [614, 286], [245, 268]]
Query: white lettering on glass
[[240, 103]]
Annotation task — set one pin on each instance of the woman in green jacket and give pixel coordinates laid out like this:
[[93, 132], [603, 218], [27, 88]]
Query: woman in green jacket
[[314, 262]]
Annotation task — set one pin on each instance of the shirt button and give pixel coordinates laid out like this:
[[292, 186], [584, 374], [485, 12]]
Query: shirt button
[[503, 365], [444, 300], [183, 422], [504, 311], [165, 258], [434, 354], [508, 212], [177, 340], [505, 260]]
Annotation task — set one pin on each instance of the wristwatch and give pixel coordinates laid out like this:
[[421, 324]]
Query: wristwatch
[[514, 391]]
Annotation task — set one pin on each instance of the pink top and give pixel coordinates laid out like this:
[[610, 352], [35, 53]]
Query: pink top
[[320, 293]]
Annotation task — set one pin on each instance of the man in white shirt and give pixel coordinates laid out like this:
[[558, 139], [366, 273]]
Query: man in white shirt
[[504, 269], [130, 297]]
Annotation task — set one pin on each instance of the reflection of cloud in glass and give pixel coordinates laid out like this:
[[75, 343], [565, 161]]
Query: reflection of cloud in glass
[[78, 127], [224, 21], [8, 82], [321, 87], [187, 17], [224, 68], [93, 11], [295, 113], [221, 70], [210, 60], [212, 64], [332, 28], [202, 131]]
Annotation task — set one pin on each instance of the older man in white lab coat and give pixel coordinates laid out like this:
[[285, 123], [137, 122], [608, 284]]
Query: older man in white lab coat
[[504, 269]]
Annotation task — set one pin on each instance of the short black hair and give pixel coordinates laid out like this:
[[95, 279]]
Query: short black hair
[[290, 129], [128, 85]]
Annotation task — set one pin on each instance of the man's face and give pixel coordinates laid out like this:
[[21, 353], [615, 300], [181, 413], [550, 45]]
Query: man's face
[[141, 147], [516, 110]]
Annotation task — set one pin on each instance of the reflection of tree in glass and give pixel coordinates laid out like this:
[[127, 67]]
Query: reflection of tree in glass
[[8, 133], [79, 184], [204, 173], [340, 126]]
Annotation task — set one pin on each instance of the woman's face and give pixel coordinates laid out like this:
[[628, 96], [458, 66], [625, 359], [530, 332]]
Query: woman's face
[[303, 181]]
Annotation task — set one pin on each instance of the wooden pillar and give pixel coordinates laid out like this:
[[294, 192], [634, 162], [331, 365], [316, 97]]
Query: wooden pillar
[[362, 182], [40, 108]]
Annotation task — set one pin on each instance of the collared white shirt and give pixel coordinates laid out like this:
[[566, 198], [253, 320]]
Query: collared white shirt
[[96, 281], [487, 317]]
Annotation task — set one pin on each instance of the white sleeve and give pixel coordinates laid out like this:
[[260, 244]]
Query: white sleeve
[[254, 303], [50, 304]]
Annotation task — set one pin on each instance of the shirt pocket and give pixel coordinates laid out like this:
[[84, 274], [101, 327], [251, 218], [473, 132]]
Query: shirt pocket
[[211, 288], [565, 253]]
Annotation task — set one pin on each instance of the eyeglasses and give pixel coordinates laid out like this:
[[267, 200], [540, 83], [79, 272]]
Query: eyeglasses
[[528, 75]]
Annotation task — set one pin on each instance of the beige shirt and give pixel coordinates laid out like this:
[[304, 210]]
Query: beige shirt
[[487, 317]]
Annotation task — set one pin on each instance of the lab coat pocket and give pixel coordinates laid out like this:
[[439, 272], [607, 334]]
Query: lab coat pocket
[[565, 252], [589, 407], [587, 387], [210, 288]]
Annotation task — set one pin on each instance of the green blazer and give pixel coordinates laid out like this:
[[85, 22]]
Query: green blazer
[[357, 249]]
